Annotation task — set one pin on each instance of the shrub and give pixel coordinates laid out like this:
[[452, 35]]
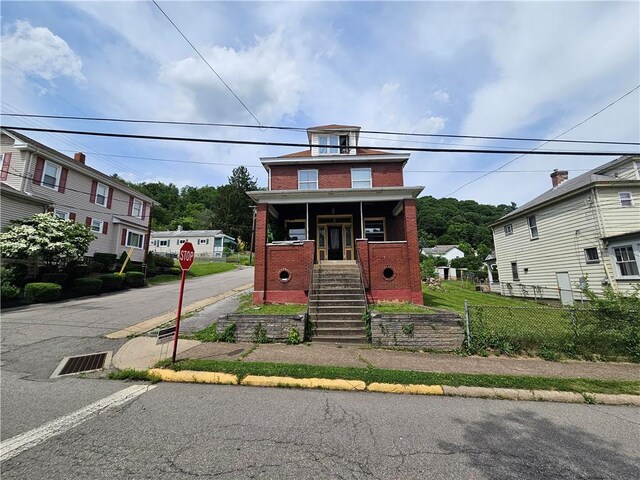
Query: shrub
[[151, 261], [19, 273], [162, 261], [59, 278], [135, 279], [77, 271], [87, 286], [294, 337], [98, 267], [174, 271], [45, 269], [260, 333], [42, 292], [7, 288], [112, 281], [106, 259]]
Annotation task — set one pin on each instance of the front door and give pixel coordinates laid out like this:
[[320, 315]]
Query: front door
[[564, 286], [335, 242]]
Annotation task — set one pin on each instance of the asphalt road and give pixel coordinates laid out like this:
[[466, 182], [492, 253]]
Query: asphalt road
[[181, 431], [34, 341]]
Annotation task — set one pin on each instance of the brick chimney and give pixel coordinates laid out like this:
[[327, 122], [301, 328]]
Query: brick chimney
[[79, 157], [558, 177]]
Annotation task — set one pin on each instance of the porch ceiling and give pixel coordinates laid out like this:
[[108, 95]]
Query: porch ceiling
[[341, 195]]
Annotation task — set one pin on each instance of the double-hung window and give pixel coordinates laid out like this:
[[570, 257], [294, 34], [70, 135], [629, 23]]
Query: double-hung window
[[333, 144], [626, 261], [533, 227], [508, 229], [136, 208], [361, 178], [61, 214], [96, 225], [134, 239], [626, 200], [51, 175], [162, 243], [307, 179], [102, 193]]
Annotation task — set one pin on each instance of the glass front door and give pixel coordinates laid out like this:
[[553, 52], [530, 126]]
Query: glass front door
[[335, 237]]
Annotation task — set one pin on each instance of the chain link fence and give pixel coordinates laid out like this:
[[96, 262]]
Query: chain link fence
[[551, 332]]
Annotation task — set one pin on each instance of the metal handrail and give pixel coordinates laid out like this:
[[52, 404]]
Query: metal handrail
[[364, 291]]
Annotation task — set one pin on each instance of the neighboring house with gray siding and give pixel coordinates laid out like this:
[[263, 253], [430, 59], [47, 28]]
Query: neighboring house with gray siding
[[36, 178], [206, 243], [586, 229]]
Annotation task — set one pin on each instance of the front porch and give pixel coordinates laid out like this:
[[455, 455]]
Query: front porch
[[381, 236]]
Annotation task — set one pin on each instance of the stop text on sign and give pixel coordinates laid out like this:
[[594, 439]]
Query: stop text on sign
[[186, 256]]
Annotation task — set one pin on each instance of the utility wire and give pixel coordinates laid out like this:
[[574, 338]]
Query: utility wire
[[300, 129], [208, 64], [535, 152], [306, 145]]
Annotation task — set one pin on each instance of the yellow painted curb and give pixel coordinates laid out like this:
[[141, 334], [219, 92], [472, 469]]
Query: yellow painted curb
[[412, 389], [152, 323], [193, 376], [329, 384]]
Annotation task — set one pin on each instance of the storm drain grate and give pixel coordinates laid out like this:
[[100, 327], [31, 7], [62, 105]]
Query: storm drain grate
[[82, 363]]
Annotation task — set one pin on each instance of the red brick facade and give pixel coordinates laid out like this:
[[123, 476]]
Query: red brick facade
[[285, 177]]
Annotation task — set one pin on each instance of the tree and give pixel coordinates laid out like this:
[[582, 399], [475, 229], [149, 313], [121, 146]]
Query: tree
[[55, 241], [233, 210]]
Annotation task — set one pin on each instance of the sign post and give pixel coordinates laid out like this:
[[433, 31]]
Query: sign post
[[185, 257]]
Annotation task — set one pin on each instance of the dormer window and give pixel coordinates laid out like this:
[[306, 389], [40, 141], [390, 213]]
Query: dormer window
[[333, 144]]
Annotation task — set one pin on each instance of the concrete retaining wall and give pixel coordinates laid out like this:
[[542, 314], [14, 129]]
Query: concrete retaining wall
[[277, 326], [435, 331]]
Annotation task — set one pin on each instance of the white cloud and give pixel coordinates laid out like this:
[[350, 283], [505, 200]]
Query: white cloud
[[441, 96], [38, 51]]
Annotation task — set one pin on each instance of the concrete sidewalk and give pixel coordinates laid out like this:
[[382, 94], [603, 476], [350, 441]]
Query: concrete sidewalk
[[134, 355]]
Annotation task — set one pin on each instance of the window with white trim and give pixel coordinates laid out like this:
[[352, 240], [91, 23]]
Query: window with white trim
[[374, 229], [203, 241], [307, 179], [591, 255], [626, 261], [96, 225], [533, 227], [134, 239], [102, 193], [136, 208], [333, 144], [361, 178], [508, 229], [61, 214], [626, 200], [51, 175]]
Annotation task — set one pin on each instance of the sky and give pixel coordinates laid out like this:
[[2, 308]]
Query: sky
[[525, 69]]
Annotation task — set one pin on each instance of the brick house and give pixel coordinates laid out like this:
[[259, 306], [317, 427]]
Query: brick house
[[37, 179], [336, 203]]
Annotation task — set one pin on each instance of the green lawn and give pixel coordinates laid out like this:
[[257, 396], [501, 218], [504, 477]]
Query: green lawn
[[270, 308], [400, 307], [196, 270], [452, 294]]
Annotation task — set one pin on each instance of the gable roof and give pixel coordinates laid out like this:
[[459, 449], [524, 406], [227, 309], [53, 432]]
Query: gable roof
[[78, 166], [570, 186], [438, 249]]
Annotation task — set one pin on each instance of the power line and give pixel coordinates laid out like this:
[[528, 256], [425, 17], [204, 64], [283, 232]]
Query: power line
[[306, 145], [208, 64], [534, 152], [300, 129]]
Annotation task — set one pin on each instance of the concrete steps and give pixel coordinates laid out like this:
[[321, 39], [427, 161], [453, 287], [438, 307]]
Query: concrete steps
[[337, 302]]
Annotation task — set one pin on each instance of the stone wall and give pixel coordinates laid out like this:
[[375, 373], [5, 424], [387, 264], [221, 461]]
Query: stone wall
[[434, 331], [277, 326]]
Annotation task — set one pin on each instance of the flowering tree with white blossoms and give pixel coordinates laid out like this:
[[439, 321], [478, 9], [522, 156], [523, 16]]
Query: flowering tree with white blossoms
[[52, 239]]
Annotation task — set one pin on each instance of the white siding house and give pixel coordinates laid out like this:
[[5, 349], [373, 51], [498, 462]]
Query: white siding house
[[447, 251], [583, 230], [206, 243], [36, 178]]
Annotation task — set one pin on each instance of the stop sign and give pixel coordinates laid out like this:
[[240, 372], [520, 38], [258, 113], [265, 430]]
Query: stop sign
[[186, 256]]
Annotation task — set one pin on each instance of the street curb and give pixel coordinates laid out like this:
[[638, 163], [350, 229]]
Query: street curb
[[193, 376], [152, 323]]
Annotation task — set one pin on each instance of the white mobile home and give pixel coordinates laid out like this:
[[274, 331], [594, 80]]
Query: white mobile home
[[206, 243]]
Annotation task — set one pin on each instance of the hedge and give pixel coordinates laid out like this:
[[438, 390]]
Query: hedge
[[112, 281], [161, 261], [42, 292], [106, 259], [175, 271], [77, 271], [87, 285], [135, 279], [59, 278]]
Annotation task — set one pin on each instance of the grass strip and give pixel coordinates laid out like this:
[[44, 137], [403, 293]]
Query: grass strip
[[370, 375], [247, 306], [132, 374]]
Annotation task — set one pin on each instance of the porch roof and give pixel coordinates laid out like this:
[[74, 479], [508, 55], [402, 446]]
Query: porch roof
[[342, 195]]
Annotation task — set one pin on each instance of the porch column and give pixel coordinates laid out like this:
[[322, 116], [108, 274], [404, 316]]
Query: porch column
[[260, 269], [306, 224], [362, 235], [411, 236]]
